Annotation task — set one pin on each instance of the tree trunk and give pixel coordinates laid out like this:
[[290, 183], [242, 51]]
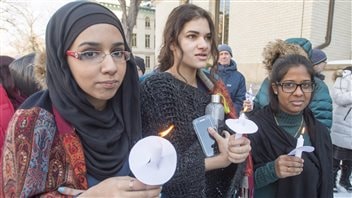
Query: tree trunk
[[129, 18]]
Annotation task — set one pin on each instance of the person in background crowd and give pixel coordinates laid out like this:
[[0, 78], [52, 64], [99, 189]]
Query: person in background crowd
[[321, 104], [140, 65], [319, 62], [280, 123], [22, 71], [6, 106], [74, 138], [176, 95], [341, 131], [232, 78], [271, 52], [8, 83], [19, 83]]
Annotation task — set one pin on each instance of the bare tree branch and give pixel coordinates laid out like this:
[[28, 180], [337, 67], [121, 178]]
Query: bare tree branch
[[19, 22]]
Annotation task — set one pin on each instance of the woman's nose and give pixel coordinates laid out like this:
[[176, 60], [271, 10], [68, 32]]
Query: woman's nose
[[202, 43], [109, 65]]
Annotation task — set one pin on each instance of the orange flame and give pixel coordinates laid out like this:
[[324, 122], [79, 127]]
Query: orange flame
[[167, 131]]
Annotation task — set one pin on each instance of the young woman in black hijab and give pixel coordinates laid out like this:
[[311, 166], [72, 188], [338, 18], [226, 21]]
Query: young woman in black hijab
[[77, 134]]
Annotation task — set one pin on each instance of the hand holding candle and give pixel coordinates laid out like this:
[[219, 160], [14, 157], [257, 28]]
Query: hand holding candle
[[300, 146], [247, 106], [300, 143]]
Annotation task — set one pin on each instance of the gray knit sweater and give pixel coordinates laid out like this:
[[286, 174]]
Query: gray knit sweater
[[165, 101]]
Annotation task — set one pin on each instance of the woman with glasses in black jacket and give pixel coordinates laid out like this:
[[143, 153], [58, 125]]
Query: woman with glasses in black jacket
[[280, 124]]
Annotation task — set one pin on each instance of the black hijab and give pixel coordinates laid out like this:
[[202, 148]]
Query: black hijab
[[107, 135]]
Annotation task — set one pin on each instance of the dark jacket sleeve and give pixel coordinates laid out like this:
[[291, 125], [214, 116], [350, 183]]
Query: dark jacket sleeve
[[240, 94]]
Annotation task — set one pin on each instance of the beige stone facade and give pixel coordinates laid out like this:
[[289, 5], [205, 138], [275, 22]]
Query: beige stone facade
[[257, 22], [253, 23]]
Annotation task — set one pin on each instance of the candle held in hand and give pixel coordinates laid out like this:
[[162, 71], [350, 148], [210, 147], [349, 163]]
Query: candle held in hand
[[241, 126], [153, 160], [300, 142], [155, 154]]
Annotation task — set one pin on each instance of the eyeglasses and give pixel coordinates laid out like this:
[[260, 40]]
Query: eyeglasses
[[290, 87], [99, 56]]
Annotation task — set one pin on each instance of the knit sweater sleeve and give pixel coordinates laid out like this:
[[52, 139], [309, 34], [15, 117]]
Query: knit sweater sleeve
[[265, 175], [167, 101]]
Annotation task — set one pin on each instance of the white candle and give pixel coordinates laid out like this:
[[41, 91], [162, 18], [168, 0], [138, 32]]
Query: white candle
[[153, 160], [241, 121], [238, 135], [155, 154], [300, 142], [241, 126]]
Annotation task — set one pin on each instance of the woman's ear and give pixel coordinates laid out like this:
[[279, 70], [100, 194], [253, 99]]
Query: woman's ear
[[274, 87]]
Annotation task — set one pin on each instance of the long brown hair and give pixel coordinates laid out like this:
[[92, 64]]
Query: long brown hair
[[173, 27]]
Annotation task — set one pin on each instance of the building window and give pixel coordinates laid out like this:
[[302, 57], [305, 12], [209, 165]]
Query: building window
[[147, 61], [147, 22], [134, 40], [223, 10], [147, 41]]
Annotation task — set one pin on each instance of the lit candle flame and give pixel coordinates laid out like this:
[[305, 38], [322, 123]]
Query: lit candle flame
[[167, 131], [245, 109], [303, 130]]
